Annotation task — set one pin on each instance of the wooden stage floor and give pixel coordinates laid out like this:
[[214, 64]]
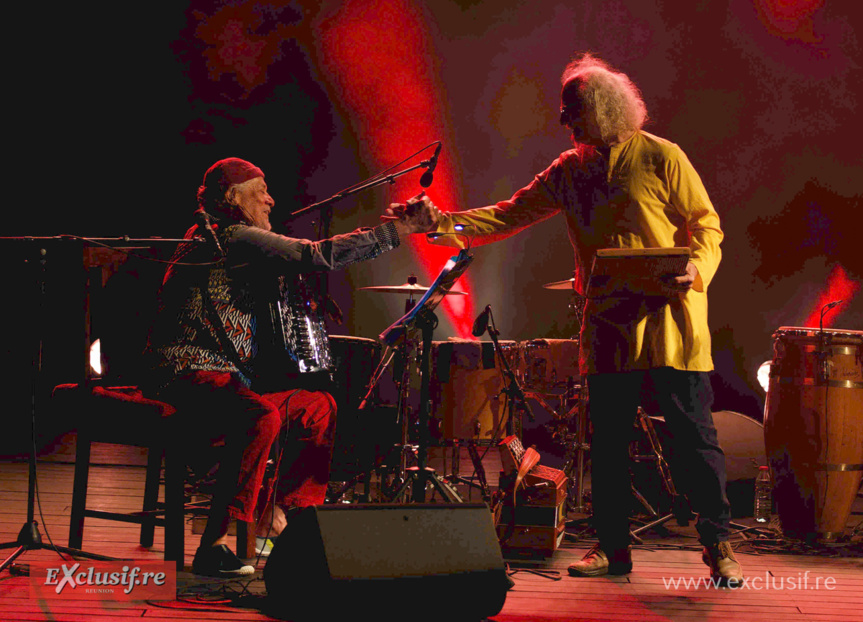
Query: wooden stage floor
[[663, 585]]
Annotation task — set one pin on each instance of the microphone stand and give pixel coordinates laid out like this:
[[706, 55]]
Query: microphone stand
[[388, 179], [516, 399], [824, 366], [419, 477], [326, 207], [422, 316], [401, 371]]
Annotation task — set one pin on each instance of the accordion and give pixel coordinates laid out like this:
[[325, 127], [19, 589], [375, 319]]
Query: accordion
[[292, 333], [534, 520]]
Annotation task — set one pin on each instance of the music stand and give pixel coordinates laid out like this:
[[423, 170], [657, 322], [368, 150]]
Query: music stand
[[422, 317]]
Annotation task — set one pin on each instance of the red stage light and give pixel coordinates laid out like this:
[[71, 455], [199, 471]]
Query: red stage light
[[789, 18], [839, 287], [234, 49], [379, 58]]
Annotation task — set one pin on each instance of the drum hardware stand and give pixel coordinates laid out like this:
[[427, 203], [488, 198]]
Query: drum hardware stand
[[478, 480], [418, 477], [580, 446], [422, 316], [680, 508], [576, 444], [401, 373]]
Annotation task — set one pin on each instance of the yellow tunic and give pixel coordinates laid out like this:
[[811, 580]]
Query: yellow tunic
[[646, 194]]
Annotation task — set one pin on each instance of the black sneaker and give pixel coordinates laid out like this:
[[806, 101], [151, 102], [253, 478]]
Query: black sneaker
[[219, 561]]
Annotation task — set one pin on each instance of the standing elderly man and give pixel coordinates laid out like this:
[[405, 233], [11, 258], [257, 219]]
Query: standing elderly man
[[208, 340], [621, 187]]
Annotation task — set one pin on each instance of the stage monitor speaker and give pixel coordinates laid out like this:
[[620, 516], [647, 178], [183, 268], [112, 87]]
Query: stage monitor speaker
[[387, 562]]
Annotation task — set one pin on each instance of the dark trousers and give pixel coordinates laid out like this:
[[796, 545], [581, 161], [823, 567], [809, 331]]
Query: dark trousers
[[685, 400]]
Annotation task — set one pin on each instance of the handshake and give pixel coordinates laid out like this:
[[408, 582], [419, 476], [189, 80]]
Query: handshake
[[417, 215]]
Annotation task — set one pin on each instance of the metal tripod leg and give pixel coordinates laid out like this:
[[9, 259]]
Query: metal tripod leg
[[478, 480], [418, 479], [681, 513]]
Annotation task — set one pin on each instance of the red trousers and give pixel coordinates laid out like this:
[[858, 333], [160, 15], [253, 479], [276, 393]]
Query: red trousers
[[215, 409]]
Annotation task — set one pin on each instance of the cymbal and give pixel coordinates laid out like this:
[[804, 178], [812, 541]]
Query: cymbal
[[407, 288], [567, 284]]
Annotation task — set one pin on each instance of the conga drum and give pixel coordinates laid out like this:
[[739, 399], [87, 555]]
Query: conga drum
[[465, 385], [548, 364], [813, 429]]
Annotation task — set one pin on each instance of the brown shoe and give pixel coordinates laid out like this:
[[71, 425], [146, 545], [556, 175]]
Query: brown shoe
[[597, 563], [724, 567]]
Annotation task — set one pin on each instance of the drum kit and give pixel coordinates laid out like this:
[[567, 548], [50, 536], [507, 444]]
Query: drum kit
[[468, 398], [812, 437]]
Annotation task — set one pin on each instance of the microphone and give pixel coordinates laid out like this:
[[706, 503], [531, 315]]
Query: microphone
[[825, 364], [824, 311], [480, 324], [203, 219], [428, 177]]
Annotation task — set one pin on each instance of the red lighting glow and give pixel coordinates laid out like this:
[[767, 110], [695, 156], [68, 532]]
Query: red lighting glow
[[379, 57], [839, 287], [790, 19], [233, 49]]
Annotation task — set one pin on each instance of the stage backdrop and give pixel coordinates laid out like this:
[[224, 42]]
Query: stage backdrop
[[117, 113]]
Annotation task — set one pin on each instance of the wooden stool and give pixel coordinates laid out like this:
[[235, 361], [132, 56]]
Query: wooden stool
[[123, 416]]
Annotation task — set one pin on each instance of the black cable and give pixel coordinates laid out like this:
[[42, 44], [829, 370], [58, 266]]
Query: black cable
[[145, 257]]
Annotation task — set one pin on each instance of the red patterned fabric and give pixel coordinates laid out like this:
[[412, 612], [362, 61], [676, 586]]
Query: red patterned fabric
[[188, 341]]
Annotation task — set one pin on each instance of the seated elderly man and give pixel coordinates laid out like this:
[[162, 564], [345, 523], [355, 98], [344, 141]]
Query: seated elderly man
[[209, 339]]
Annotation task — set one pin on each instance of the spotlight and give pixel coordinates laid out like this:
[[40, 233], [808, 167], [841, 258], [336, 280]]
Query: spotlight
[[96, 357], [763, 374]]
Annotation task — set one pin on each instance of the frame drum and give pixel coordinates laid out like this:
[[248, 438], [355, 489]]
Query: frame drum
[[813, 429], [465, 388], [741, 439], [547, 364], [742, 442]]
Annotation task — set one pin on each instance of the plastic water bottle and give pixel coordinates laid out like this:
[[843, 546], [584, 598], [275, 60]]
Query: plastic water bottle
[[763, 495]]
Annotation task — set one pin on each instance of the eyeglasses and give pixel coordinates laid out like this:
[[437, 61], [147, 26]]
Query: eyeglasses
[[571, 112]]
